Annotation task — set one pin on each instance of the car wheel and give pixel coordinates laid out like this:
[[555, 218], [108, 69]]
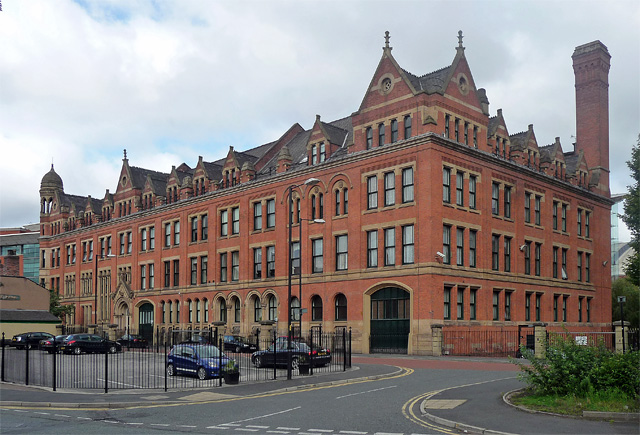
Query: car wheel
[[50, 351], [202, 374], [113, 349], [237, 349], [77, 351], [258, 361], [294, 363], [170, 370], [29, 346]]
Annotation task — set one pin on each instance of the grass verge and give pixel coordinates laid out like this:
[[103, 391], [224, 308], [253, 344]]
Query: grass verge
[[606, 401]]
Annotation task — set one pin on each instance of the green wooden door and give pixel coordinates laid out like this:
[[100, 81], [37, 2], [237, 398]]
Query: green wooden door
[[390, 312], [145, 321]]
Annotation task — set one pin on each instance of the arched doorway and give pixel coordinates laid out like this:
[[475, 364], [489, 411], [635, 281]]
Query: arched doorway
[[145, 321], [390, 316]]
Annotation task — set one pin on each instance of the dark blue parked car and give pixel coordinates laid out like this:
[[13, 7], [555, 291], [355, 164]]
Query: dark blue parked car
[[197, 360]]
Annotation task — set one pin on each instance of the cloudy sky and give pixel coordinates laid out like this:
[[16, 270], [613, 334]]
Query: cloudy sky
[[171, 80]]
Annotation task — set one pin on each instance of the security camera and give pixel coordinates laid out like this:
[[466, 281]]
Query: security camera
[[440, 254], [604, 263], [522, 247]]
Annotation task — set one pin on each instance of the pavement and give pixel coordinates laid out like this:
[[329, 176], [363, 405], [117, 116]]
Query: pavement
[[476, 408]]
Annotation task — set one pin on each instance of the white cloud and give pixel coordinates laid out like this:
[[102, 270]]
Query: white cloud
[[170, 81]]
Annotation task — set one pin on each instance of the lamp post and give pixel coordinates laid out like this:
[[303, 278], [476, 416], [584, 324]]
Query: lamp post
[[309, 182], [95, 274]]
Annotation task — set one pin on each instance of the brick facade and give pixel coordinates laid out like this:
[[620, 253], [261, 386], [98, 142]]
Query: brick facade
[[466, 218]]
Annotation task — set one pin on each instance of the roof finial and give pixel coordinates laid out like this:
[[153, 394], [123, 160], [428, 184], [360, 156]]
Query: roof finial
[[125, 154], [386, 40], [460, 39]]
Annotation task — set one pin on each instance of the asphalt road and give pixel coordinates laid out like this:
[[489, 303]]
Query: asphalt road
[[393, 405]]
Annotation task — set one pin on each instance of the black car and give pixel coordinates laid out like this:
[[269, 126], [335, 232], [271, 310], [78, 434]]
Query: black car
[[89, 343], [300, 353], [237, 344], [196, 339], [29, 339], [133, 340], [47, 343]]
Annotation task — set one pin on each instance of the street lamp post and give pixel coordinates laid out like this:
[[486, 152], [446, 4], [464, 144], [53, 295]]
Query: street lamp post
[[309, 182]]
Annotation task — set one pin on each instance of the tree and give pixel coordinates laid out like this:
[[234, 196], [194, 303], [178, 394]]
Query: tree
[[624, 287], [631, 215], [60, 311]]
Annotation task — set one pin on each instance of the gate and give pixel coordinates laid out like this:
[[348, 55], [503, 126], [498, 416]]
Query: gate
[[389, 321], [488, 342], [145, 321]]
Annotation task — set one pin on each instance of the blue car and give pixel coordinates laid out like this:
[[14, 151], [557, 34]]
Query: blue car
[[202, 361]]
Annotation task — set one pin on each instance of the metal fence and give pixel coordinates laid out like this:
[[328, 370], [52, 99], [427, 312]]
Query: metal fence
[[145, 367], [469, 342], [590, 338]]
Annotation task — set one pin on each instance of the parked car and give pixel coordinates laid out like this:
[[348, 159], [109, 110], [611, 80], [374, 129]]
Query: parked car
[[237, 344], [133, 340], [89, 343], [29, 339], [47, 343], [202, 361], [299, 352]]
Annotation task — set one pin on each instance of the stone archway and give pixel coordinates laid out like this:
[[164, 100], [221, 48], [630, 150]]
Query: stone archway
[[390, 321]]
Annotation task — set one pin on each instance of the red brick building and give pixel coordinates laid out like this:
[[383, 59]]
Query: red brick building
[[435, 216]]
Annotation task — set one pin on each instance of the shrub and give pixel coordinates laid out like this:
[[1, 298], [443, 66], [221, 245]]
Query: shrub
[[569, 368]]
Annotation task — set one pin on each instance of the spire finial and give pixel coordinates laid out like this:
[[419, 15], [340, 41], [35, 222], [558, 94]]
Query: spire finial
[[125, 154], [386, 40], [460, 39]]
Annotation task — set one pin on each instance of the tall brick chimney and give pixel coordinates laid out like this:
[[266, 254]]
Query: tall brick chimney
[[591, 68]]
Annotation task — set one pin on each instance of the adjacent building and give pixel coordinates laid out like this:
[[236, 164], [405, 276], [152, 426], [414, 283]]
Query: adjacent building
[[419, 212], [19, 252]]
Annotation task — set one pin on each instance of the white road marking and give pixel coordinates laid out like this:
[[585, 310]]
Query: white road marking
[[217, 427], [83, 418], [43, 413], [262, 416], [353, 432], [364, 392], [61, 415], [110, 421], [246, 430], [19, 410], [158, 424], [288, 428], [321, 430], [184, 425], [388, 433], [258, 427], [134, 423], [277, 431]]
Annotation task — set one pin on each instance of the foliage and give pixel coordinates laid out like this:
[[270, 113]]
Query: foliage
[[231, 367], [631, 215], [572, 369], [55, 308], [603, 401], [624, 287]]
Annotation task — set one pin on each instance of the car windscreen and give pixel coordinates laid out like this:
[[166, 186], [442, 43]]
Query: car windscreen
[[208, 352]]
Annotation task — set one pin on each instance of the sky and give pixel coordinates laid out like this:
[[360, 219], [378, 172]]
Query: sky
[[80, 81]]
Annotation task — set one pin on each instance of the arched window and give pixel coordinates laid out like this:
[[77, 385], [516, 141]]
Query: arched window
[[257, 309], [206, 310], [273, 307], [341, 307], [178, 311], [164, 312], [236, 310], [295, 309], [190, 311], [316, 308], [223, 310], [170, 312], [197, 310]]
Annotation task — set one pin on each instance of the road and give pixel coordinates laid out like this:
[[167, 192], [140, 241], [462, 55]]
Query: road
[[388, 406]]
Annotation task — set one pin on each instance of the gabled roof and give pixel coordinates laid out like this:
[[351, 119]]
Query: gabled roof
[[139, 176], [335, 135], [431, 83]]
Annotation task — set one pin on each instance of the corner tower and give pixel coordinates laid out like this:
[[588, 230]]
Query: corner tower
[[591, 63]]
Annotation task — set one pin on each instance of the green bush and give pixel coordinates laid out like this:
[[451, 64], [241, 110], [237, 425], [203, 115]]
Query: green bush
[[569, 368]]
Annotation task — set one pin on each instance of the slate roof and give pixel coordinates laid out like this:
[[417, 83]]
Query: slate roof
[[213, 170], [494, 122], [518, 141], [571, 160], [139, 176], [336, 135], [431, 83], [546, 154], [27, 316]]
